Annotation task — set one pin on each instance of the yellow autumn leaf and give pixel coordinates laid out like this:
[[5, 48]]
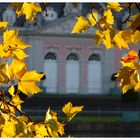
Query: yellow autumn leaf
[[93, 18], [9, 130], [11, 90], [136, 37], [54, 127], [137, 87], [114, 6], [99, 37], [12, 45], [5, 54], [16, 101], [20, 54], [11, 40], [131, 57], [128, 76], [26, 83], [127, 35], [134, 23], [4, 79], [107, 18], [17, 68], [31, 76], [20, 128], [23, 118], [48, 116], [81, 25], [2, 119], [3, 24], [107, 39], [30, 10], [125, 88], [71, 111], [41, 131], [120, 41]]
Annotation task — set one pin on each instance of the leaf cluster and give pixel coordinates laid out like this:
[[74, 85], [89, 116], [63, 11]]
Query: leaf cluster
[[110, 36], [19, 80]]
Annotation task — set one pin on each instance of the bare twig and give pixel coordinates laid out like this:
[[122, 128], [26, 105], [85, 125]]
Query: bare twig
[[44, 8], [138, 6], [129, 10], [22, 113], [92, 7]]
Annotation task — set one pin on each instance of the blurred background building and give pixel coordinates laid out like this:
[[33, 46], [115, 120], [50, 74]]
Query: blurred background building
[[74, 66], [72, 62]]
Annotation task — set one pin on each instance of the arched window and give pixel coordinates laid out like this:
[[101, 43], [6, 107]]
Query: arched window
[[72, 56], [72, 78], [94, 57], [94, 74], [50, 55], [51, 71]]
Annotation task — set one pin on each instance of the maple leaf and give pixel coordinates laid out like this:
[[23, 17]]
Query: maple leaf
[[13, 45], [20, 54], [71, 111], [107, 18], [136, 37], [99, 37], [41, 131], [17, 68], [120, 40], [10, 40], [26, 83], [81, 25], [135, 21], [131, 57], [127, 35], [5, 54], [3, 24], [16, 101], [11, 90], [9, 129], [23, 118], [93, 18], [114, 6], [30, 10], [137, 87], [107, 39], [129, 77], [4, 78], [54, 127]]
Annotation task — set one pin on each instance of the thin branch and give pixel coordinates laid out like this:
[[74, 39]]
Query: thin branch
[[44, 8], [138, 7], [127, 19], [22, 113], [92, 7]]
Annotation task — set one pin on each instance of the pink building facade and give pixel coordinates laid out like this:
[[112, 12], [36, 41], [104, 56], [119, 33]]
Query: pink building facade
[[73, 64]]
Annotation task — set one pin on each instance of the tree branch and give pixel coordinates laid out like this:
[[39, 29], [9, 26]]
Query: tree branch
[[127, 19], [92, 7], [138, 7], [22, 113]]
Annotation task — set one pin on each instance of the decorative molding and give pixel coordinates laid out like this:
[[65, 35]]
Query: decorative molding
[[72, 8], [9, 15], [72, 48], [65, 27], [51, 14], [53, 47]]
